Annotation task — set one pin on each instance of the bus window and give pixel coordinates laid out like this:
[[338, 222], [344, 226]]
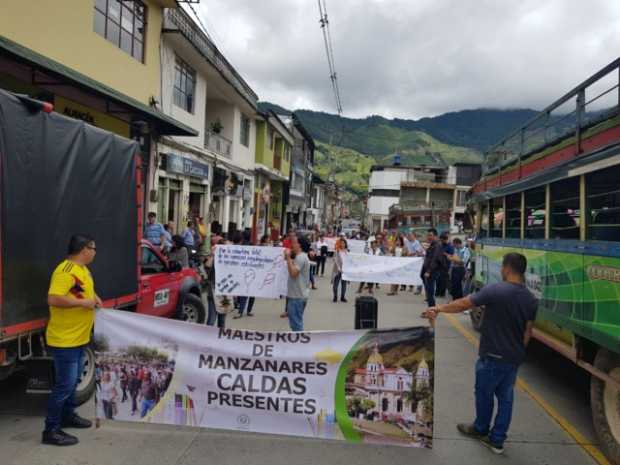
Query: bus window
[[484, 219], [565, 213], [513, 216], [603, 200], [535, 213], [496, 217]]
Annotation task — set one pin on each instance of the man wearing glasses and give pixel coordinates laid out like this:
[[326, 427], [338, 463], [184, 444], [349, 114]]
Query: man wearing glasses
[[72, 301]]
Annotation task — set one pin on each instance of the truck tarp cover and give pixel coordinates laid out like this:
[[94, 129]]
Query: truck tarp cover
[[59, 177]]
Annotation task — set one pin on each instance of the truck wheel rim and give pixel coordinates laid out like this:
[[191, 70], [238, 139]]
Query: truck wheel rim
[[189, 313], [87, 372], [611, 397]]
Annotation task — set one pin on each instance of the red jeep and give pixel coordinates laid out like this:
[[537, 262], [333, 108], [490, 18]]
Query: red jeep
[[60, 176]]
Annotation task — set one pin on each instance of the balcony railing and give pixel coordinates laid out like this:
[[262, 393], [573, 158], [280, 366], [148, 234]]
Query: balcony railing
[[177, 18], [409, 206], [218, 144], [593, 101]]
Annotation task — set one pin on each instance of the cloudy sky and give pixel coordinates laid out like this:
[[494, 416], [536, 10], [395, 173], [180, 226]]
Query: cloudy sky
[[415, 58]]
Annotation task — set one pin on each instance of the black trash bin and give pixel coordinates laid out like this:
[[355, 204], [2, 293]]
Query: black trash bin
[[366, 312]]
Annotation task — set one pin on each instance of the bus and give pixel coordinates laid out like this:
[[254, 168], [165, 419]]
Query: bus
[[551, 191]]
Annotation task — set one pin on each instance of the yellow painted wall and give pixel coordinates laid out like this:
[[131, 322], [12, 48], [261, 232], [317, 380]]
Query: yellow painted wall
[[63, 31]]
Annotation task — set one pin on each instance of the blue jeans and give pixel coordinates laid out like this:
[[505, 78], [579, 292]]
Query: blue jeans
[[338, 281], [214, 315], [245, 303], [147, 406], [494, 379], [68, 366], [295, 310], [429, 287]]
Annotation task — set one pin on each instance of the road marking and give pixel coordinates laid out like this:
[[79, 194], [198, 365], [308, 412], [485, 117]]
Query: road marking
[[590, 449]]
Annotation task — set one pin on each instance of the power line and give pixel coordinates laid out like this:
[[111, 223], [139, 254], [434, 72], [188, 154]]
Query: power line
[[329, 52], [204, 28]]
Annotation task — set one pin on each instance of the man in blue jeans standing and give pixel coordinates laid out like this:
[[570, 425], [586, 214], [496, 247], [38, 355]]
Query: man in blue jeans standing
[[72, 301], [509, 314], [298, 289], [431, 268]]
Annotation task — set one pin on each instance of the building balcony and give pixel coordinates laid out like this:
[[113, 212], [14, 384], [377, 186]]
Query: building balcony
[[178, 20], [413, 206], [218, 144]]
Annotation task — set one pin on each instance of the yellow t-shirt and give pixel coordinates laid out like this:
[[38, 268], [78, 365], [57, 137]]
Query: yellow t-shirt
[[71, 327]]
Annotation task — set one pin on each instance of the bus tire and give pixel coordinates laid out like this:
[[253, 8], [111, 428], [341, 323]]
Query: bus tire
[[605, 404], [86, 386]]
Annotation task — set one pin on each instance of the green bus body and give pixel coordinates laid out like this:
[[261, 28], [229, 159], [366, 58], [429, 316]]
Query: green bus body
[[578, 290]]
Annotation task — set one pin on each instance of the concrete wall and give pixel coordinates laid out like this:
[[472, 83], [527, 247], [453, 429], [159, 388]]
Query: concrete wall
[[196, 119], [379, 205], [386, 179], [63, 31]]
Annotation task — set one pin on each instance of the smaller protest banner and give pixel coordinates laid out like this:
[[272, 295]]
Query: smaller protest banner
[[356, 246], [250, 271], [381, 269]]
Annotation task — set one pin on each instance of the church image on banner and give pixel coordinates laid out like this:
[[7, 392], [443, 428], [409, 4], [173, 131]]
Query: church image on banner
[[388, 391]]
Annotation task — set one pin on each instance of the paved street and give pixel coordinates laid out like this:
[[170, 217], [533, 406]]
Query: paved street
[[535, 437]]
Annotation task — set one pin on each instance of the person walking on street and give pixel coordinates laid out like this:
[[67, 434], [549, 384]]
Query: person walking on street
[[415, 249], [72, 300], [213, 315], [322, 257], [444, 271], [298, 286], [432, 266], [510, 311], [340, 252], [154, 232], [460, 262], [397, 250]]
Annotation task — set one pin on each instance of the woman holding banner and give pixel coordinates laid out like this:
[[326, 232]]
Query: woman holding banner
[[341, 250], [397, 250]]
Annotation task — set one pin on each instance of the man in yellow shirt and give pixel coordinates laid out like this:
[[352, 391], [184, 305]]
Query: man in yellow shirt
[[72, 300]]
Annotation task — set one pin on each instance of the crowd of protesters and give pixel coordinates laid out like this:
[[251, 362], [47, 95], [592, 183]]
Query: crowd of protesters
[[140, 384]]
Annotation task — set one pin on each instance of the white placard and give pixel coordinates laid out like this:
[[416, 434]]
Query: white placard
[[250, 271], [382, 269], [356, 246]]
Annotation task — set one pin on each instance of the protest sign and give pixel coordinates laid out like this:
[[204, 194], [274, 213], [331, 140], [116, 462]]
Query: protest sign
[[372, 386], [250, 271], [382, 269], [356, 246]]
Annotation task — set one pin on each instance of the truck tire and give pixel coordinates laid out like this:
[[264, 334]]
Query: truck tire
[[605, 404], [193, 310], [86, 386]]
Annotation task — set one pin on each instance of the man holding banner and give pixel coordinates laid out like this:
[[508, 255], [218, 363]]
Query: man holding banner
[[298, 288]]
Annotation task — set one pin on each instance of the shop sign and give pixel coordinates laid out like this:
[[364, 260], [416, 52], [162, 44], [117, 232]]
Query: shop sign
[[185, 166], [91, 116]]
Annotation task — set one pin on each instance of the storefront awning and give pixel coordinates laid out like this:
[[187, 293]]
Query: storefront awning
[[54, 69], [270, 173]]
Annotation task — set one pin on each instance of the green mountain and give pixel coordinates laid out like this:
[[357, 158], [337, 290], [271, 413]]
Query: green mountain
[[348, 147]]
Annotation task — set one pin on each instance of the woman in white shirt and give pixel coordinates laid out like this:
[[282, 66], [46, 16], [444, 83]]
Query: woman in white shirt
[[398, 250]]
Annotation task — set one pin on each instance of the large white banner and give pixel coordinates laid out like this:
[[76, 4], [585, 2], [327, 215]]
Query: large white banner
[[250, 271], [382, 269], [356, 246], [313, 384]]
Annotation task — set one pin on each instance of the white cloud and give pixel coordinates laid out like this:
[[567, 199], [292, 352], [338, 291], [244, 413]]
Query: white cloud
[[414, 58]]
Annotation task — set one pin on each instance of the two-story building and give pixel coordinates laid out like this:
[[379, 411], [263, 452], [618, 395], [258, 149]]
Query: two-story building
[[274, 143], [429, 193], [211, 175], [97, 61]]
